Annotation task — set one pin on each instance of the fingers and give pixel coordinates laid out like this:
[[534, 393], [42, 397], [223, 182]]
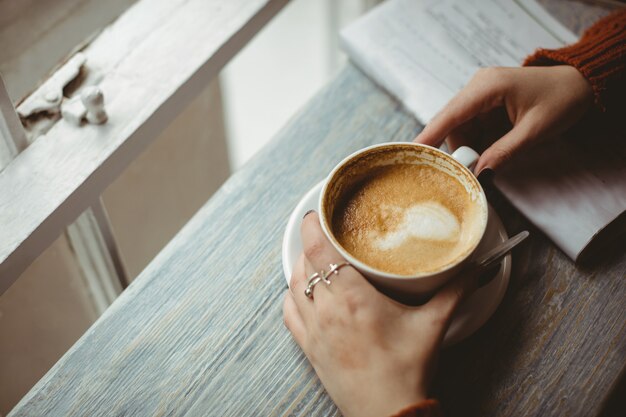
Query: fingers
[[444, 303], [317, 249], [321, 288], [297, 281], [500, 152], [297, 285], [292, 319], [481, 94], [320, 253], [464, 135]]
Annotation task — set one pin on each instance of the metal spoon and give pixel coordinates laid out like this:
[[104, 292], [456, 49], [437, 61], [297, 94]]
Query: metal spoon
[[485, 262]]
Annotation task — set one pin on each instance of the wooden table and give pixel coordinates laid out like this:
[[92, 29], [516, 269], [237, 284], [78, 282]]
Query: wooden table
[[200, 331]]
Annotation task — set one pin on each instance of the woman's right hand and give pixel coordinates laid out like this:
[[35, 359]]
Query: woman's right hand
[[374, 356], [527, 104]]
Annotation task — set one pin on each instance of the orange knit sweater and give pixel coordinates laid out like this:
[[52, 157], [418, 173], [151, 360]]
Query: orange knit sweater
[[600, 56]]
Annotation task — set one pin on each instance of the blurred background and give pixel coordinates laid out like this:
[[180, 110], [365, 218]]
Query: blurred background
[[66, 289]]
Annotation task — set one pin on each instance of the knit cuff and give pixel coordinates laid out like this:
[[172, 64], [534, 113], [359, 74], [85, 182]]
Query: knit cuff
[[426, 408], [600, 56]]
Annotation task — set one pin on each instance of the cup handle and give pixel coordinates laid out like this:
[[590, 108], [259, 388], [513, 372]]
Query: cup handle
[[467, 156]]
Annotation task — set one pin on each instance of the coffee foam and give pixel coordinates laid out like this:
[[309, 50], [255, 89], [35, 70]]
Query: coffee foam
[[406, 218], [426, 221]]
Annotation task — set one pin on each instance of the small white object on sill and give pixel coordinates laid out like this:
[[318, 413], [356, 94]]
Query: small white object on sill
[[88, 106]]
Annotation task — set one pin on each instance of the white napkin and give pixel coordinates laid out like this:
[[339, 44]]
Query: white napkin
[[572, 189]]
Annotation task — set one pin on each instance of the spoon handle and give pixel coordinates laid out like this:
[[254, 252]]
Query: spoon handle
[[497, 253]]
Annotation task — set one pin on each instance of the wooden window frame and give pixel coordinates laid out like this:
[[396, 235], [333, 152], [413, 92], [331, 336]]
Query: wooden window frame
[[150, 64], [12, 137]]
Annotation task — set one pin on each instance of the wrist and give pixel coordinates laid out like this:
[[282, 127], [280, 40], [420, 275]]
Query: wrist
[[388, 404], [426, 408], [577, 81]]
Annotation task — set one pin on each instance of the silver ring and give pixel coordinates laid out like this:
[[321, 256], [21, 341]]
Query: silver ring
[[334, 269], [313, 281], [312, 277], [316, 277]]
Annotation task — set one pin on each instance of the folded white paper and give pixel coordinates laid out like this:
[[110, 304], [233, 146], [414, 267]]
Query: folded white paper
[[424, 52]]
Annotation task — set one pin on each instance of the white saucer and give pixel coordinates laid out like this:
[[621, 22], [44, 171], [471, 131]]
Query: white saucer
[[470, 316]]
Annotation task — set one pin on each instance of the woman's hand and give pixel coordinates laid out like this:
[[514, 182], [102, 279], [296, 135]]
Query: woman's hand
[[515, 107], [373, 355]]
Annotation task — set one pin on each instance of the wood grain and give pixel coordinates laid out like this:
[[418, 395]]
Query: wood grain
[[200, 331]]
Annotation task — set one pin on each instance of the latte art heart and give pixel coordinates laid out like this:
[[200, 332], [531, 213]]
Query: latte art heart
[[425, 221], [407, 219]]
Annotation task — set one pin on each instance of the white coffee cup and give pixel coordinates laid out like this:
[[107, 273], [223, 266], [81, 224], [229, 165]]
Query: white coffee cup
[[414, 288]]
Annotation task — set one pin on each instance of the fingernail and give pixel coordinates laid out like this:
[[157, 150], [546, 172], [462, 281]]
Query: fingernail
[[485, 176], [307, 213]]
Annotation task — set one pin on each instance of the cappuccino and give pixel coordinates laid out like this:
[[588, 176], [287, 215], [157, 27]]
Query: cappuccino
[[407, 219]]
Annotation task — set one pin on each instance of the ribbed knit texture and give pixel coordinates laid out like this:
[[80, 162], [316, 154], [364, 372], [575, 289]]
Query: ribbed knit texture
[[600, 56], [426, 408]]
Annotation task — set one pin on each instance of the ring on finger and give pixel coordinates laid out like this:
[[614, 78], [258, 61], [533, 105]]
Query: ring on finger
[[315, 279], [334, 269]]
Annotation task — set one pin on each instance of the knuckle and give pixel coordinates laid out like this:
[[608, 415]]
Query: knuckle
[[314, 249], [491, 80], [293, 281], [438, 320], [353, 300], [490, 73], [286, 320], [286, 317], [483, 74], [499, 154], [368, 319]]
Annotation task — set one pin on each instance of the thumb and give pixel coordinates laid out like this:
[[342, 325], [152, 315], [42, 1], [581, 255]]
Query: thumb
[[502, 150], [445, 301]]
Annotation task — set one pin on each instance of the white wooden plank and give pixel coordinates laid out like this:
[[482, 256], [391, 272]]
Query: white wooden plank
[[12, 137], [35, 35], [151, 62], [96, 261]]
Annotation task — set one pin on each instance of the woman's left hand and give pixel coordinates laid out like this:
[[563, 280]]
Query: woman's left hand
[[373, 355]]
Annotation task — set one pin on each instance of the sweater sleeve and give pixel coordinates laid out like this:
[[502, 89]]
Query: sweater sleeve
[[600, 56], [426, 408]]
